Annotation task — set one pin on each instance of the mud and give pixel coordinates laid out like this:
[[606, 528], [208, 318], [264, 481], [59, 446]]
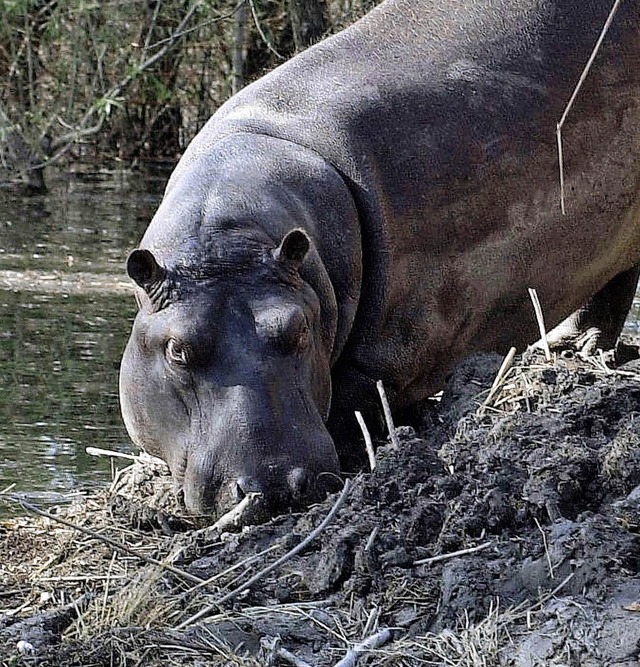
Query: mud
[[537, 487]]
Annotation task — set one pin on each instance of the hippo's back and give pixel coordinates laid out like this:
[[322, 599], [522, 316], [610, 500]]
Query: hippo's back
[[441, 118]]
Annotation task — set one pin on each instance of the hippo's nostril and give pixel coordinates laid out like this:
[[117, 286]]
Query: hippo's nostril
[[298, 481]]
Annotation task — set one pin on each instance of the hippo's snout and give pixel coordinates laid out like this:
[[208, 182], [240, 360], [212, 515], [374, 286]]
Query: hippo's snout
[[297, 483], [275, 487]]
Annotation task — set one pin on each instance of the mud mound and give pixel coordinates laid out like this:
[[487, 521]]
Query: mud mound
[[507, 534]]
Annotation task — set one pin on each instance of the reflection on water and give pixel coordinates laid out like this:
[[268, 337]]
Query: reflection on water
[[632, 325], [65, 313]]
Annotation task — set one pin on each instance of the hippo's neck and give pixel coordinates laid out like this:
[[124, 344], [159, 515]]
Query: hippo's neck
[[258, 187]]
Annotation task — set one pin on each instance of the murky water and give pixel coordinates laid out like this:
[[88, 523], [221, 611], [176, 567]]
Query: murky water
[[65, 313]]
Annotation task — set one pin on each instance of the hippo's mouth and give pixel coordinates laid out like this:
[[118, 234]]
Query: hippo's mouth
[[242, 501], [247, 511]]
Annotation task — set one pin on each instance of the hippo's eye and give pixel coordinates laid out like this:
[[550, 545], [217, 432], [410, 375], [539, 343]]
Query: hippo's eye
[[176, 353]]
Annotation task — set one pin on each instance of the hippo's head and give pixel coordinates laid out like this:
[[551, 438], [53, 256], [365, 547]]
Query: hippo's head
[[226, 375]]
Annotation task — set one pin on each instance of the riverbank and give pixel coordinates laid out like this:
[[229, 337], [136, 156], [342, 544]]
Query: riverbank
[[507, 534]]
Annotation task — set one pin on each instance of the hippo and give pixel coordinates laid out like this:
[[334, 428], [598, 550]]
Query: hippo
[[376, 208]]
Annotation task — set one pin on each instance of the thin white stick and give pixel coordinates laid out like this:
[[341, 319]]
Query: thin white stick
[[575, 93], [367, 440], [563, 207], [387, 415], [233, 517], [96, 451], [502, 371], [369, 644], [453, 554], [540, 319], [546, 549], [371, 540]]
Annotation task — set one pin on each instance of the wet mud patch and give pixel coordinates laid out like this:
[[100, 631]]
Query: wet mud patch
[[506, 534]]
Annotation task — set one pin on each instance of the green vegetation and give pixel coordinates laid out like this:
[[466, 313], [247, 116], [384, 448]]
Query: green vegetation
[[131, 80]]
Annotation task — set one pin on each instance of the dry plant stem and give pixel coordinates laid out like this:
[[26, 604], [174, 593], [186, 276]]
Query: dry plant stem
[[369, 644], [540, 319], [453, 554], [233, 568], [96, 451], [106, 540], [576, 91], [546, 550], [367, 440], [261, 32], [234, 516], [154, 20], [371, 540], [557, 589], [387, 415], [372, 621], [502, 372], [105, 597], [143, 457], [276, 564]]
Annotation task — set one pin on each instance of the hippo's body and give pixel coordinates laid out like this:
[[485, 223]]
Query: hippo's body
[[417, 151]]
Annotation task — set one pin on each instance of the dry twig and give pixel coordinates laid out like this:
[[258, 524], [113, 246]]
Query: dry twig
[[500, 377], [546, 549], [234, 517], [574, 95], [97, 451], [387, 415], [540, 319], [453, 554], [368, 443], [369, 644]]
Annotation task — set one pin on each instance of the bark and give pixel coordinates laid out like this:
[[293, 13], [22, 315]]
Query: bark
[[239, 50], [309, 21]]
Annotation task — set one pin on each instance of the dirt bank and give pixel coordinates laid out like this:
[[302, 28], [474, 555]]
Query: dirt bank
[[537, 487]]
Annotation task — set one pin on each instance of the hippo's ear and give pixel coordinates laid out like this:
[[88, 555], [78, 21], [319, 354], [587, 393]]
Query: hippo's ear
[[293, 248], [143, 268]]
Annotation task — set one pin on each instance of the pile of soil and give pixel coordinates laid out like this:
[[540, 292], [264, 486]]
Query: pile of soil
[[506, 534]]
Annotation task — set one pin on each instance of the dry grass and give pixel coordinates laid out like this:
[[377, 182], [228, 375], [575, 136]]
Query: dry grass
[[134, 596], [470, 645]]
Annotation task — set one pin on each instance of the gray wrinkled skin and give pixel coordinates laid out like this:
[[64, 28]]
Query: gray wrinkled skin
[[376, 208]]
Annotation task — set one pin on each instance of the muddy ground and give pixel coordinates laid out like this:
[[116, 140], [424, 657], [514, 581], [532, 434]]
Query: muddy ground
[[537, 486]]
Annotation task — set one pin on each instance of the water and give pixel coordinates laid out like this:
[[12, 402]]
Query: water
[[66, 308]]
